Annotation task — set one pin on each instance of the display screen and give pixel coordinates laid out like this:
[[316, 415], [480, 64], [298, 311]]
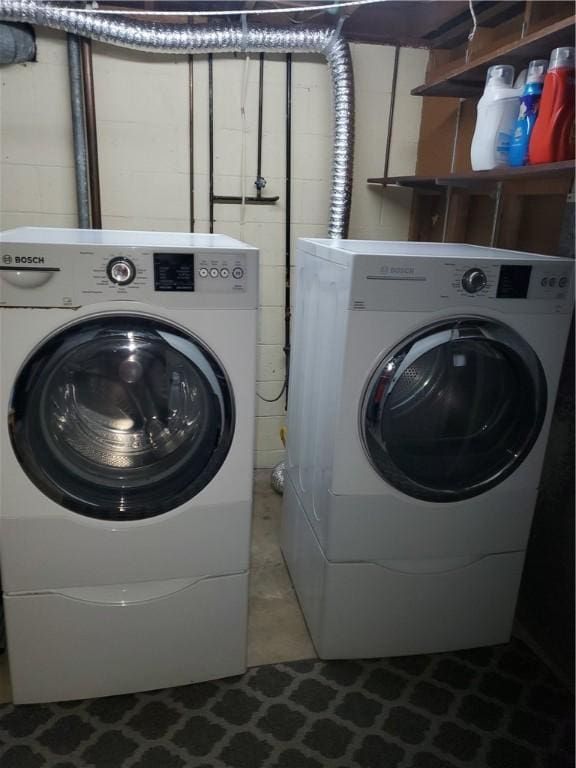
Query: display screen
[[514, 281], [174, 271]]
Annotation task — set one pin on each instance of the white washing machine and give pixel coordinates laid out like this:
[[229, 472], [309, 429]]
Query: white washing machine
[[127, 429], [422, 384]]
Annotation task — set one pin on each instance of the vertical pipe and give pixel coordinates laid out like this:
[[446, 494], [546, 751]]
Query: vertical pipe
[[78, 131], [191, 136], [288, 235], [452, 167], [91, 134], [211, 138], [392, 106], [496, 215], [260, 107]]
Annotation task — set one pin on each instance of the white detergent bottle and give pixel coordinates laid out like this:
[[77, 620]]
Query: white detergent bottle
[[497, 113]]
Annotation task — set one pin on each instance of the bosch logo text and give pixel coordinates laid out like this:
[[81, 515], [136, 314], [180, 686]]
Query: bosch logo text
[[28, 259], [397, 270]]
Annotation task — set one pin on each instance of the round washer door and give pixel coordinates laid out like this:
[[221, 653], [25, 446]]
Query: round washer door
[[453, 409], [121, 417]]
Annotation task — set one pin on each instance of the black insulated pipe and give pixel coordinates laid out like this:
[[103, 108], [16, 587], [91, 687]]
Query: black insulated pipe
[[288, 232], [211, 138]]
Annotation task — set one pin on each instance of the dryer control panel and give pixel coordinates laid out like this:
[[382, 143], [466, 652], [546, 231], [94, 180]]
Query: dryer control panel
[[402, 283]]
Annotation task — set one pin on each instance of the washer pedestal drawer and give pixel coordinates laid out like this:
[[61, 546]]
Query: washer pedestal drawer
[[101, 641]]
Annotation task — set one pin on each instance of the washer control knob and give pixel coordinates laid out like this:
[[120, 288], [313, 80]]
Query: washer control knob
[[121, 271], [237, 273], [474, 280]]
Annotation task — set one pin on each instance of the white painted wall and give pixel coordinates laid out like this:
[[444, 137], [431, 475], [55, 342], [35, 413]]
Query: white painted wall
[[142, 107]]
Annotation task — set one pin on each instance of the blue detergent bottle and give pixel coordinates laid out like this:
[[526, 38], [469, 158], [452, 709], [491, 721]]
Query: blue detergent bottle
[[518, 153]]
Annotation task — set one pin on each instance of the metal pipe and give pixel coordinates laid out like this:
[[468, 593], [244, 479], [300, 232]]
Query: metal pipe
[[211, 140], [185, 39], [78, 131], [17, 43], [288, 234], [191, 137], [259, 180], [392, 106], [91, 133], [452, 167], [496, 215]]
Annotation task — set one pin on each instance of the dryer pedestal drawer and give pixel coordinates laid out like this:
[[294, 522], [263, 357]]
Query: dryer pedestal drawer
[[397, 607], [100, 641]]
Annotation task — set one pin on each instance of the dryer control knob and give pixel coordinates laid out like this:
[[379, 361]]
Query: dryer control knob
[[474, 280], [121, 271]]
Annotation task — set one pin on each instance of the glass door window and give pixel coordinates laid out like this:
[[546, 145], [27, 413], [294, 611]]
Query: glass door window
[[454, 409], [121, 417]]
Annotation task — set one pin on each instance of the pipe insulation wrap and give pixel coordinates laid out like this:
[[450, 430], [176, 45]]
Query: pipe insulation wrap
[[17, 44], [183, 39]]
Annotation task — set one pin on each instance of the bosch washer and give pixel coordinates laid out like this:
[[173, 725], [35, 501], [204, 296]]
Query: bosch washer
[[127, 431]]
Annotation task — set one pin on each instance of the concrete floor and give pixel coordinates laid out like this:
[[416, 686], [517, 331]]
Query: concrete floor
[[276, 629]]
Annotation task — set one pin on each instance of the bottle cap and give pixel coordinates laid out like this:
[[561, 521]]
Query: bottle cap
[[500, 75], [562, 58], [537, 71]]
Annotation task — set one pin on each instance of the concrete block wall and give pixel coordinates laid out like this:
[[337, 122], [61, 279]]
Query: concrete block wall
[[142, 104]]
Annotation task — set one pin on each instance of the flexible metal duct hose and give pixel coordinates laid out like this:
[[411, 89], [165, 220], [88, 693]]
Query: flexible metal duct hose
[[176, 39]]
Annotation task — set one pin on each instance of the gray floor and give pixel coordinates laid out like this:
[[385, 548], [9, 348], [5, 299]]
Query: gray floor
[[276, 631]]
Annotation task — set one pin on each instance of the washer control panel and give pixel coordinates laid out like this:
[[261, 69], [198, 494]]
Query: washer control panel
[[121, 271], [73, 268], [220, 272]]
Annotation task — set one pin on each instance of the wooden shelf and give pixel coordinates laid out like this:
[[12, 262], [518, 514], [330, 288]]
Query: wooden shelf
[[480, 178], [468, 79]]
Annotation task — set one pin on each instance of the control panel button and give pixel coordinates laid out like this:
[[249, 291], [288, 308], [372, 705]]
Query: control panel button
[[121, 271], [224, 272], [544, 282], [563, 282], [237, 273], [214, 272], [474, 280], [552, 282], [203, 272]]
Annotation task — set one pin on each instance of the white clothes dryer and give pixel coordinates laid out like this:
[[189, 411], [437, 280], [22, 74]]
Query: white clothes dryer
[[423, 380], [127, 431]]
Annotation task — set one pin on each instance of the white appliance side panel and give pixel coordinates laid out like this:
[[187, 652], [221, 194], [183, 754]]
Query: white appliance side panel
[[393, 608], [66, 647], [316, 374], [303, 558], [371, 335]]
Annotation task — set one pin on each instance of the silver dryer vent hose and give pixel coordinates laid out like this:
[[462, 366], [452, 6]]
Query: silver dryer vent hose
[[176, 39]]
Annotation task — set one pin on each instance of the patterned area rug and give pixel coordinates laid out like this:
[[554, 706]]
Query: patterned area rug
[[488, 708]]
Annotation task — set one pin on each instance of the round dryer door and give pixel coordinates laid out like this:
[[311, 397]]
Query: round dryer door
[[121, 417], [454, 409]]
